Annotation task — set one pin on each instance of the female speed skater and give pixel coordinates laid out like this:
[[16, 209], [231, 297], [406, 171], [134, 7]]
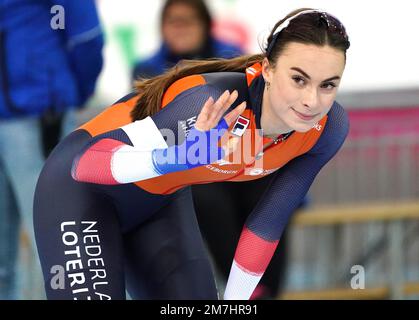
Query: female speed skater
[[113, 208]]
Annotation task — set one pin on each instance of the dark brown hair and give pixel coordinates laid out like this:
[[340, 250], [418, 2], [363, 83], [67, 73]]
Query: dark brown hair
[[317, 28], [312, 28]]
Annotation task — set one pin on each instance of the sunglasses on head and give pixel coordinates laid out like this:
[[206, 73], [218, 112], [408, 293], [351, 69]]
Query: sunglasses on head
[[333, 24]]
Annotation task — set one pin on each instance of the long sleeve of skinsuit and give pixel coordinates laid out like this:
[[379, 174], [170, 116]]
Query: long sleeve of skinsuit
[[83, 37], [141, 150], [264, 226]]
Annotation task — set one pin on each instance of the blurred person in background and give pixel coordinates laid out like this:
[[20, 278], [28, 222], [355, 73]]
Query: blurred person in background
[[50, 58], [186, 34]]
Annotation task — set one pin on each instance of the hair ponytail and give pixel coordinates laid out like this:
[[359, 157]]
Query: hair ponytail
[[151, 91]]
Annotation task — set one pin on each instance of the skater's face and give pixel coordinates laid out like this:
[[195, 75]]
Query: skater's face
[[302, 86]]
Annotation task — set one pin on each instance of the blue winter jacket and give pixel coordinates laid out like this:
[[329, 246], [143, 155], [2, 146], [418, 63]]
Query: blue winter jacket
[[42, 67], [163, 59]]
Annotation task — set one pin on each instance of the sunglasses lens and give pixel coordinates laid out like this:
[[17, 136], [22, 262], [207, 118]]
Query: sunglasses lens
[[334, 24]]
